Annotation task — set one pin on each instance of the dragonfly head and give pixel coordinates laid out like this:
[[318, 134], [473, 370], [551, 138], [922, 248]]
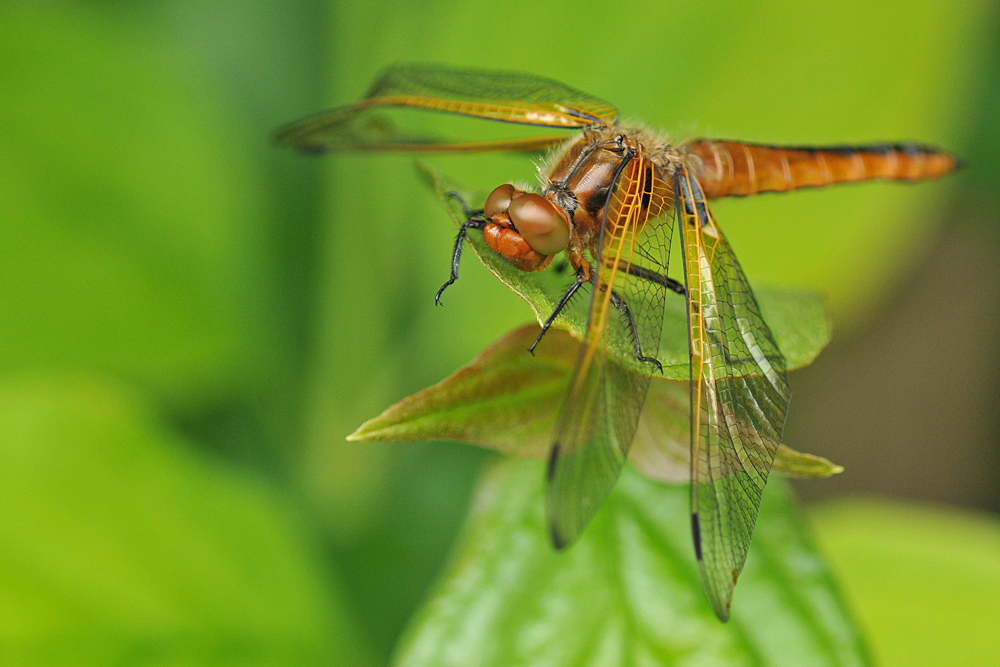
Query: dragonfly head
[[543, 224]]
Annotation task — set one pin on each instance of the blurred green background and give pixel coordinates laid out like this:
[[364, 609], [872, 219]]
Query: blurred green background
[[192, 320]]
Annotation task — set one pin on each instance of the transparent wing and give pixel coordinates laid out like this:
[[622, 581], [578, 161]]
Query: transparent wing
[[739, 397], [510, 97], [599, 417]]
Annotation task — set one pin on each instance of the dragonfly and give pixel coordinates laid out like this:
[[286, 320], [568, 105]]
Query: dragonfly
[[609, 197]]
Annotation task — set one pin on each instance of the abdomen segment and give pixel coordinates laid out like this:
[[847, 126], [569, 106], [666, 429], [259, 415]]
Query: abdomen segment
[[732, 168]]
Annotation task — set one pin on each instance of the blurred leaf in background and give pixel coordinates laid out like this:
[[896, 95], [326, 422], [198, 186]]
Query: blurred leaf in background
[[135, 307], [923, 579], [123, 544], [192, 321]]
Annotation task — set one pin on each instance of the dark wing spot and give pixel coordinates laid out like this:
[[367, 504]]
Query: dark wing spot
[[647, 188], [557, 541], [696, 533], [312, 149], [553, 457]]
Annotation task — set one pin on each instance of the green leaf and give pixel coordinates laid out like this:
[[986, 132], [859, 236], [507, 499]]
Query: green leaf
[[797, 319], [791, 463], [124, 544], [507, 400], [628, 592], [923, 579], [662, 445]]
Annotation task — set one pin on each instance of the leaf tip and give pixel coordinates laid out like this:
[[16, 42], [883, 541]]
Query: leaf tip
[[367, 431], [791, 463]]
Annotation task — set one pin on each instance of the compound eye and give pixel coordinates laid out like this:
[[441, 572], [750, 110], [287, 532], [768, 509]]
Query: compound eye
[[543, 225], [499, 200]]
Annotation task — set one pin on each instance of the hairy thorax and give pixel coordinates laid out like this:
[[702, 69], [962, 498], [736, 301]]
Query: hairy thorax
[[578, 176]]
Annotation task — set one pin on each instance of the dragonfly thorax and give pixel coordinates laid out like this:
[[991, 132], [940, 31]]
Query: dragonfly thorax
[[582, 174]]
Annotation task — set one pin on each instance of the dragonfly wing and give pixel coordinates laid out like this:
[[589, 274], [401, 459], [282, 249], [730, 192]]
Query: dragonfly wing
[[599, 417], [739, 397], [511, 97]]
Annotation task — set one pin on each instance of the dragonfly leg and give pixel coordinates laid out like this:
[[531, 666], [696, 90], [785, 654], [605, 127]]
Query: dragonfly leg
[[654, 277], [469, 213], [618, 302], [577, 284], [675, 286], [474, 221]]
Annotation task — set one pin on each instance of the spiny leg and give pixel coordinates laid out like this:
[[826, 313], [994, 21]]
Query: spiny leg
[[618, 302], [473, 220], [577, 284], [650, 276], [654, 277], [469, 213], [675, 286]]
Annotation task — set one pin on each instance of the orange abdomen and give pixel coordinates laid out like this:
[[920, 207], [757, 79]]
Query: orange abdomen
[[732, 168]]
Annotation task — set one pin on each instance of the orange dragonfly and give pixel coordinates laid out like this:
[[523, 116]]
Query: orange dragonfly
[[608, 198]]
